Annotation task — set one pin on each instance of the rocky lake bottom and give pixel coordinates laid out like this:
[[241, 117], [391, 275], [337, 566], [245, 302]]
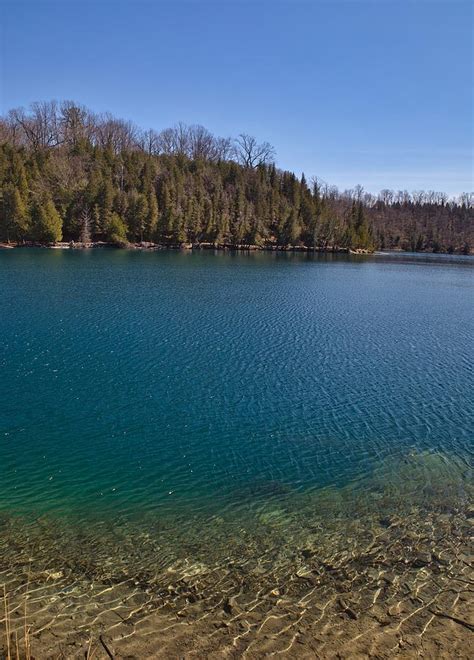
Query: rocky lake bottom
[[378, 568]]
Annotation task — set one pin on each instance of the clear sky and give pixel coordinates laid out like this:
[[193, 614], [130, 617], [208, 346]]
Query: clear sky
[[376, 93]]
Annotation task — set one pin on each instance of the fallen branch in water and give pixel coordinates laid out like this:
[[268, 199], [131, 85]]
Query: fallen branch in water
[[445, 615], [106, 648]]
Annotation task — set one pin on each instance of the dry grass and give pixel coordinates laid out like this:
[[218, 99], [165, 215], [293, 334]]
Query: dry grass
[[15, 640], [17, 644]]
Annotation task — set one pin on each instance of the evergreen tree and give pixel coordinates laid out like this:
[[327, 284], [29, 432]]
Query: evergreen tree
[[126, 192], [137, 215], [14, 214], [46, 221], [116, 230], [105, 206], [151, 222], [292, 228]]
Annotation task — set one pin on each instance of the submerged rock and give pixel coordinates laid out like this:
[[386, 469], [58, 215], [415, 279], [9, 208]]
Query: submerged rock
[[261, 489], [422, 559]]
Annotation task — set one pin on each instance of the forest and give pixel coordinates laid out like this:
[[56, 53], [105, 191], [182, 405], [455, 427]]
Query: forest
[[69, 174]]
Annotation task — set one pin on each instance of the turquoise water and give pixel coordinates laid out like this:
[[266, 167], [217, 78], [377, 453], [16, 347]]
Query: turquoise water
[[159, 382], [206, 454]]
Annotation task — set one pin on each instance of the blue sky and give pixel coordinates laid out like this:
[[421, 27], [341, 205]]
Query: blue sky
[[376, 93]]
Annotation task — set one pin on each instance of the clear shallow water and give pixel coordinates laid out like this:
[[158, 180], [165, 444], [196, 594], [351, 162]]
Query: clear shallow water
[[166, 411]]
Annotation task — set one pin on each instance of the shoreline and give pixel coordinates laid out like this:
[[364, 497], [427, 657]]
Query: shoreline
[[221, 247], [149, 246]]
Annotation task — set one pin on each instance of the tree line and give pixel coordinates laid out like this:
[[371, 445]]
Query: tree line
[[67, 173]]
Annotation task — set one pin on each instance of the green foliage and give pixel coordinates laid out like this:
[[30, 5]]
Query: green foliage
[[46, 221], [137, 215], [151, 220], [116, 230], [15, 216], [121, 192], [292, 228]]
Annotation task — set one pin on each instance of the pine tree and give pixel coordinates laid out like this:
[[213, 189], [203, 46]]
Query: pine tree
[[239, 220], [174, 199], [292, 228], [96, 221], [15, 218], [363, 238], [18, 175], [116, 230], [210, 221], [46, 221], [151, 222], [165, 227], [105, 204], [137, 215]]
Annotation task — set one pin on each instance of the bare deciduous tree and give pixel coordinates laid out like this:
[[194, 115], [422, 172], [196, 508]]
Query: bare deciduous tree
[[201, 143], [225, 149], [75, 123], [252, 154], [41, 127], [149, 141], [116, 134], [175, 140], [386, 196], [85, 225]]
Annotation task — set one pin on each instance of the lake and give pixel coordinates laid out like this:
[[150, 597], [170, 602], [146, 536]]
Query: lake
[[235, 443]]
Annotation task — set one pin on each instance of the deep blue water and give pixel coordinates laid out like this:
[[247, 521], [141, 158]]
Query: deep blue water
[[162, 381]]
